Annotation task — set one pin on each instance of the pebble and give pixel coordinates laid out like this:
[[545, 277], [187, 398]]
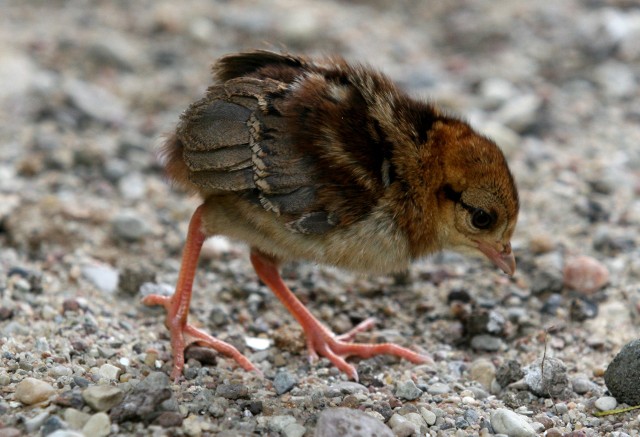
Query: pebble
[[31, 391], [98, 425], [408, 390], [428, 416], [94, 101], [351, 423], [622, 376], [520, 112], [109, 372], [17, 73], [582, 385], [615, 79], [279, 423], [486, 342], [606, 403], [129, 226], [51, 425], [438, 388], [132, 186], [33, 424], [151, 396], [104, 277], [585, 274], [76, 419], [512, 424], [284, 382], [102, 397], [403, 427], [552, 383], [482, 371], [294, 430], [232, 391]]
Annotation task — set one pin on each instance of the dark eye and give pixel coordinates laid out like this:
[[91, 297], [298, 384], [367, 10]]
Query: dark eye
[[481, 219]]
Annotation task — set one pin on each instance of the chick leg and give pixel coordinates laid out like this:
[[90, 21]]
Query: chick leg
[[177, 306], [320, 340]]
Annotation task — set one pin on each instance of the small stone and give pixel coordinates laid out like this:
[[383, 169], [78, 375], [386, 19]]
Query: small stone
[[151, 396], [31, 391], [105, 278], [408, 390], [403, 427], [622, 376], [585, 274], [351, 423], [279, 423], [232, 391], [102, 397], [438, 388], [294, 430], [552, 383], [51, 425], [98, 425], [483, 371], [76, 419], [109, 371], [520, 112], [606, 403], [283, 382], [512, 424], [128, 226], [94, 101], [416, 419], [168, 419], [428, 416], [32, 424], [485, 342], [582, 385]]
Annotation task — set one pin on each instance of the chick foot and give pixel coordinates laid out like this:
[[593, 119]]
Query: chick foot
[[320, 339], [177, 306]]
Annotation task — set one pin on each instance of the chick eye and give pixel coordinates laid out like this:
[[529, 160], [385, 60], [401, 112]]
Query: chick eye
[[481, 219]]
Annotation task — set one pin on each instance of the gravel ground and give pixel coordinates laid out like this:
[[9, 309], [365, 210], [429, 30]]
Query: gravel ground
[[88, 225]]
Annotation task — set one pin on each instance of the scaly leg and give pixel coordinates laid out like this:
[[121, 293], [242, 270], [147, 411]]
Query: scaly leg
[[177, 306], [320, 340]]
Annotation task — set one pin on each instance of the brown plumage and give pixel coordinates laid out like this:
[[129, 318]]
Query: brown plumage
[[329, 162]]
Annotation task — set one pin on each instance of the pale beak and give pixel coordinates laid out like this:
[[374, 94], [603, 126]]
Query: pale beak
[[503, 259]]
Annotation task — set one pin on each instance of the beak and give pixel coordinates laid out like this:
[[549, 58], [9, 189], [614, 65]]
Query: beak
[[503, 259]]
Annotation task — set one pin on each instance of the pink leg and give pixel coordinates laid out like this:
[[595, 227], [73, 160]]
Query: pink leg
[[320, 340], [177, 306]]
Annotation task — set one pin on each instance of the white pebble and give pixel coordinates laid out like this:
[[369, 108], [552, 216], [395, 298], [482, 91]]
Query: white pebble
[[606, 403], [512, 424]]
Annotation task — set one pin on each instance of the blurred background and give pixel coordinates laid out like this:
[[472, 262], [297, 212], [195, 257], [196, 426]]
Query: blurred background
[[88, 89]]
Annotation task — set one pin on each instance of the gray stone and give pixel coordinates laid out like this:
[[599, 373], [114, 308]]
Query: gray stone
[[232, 391], [102, 397], [408, 390], [403, 427], [622, 376], [51, 425], [346, 422], [146, 400], [438, 388], [582, 385], [547, 377], [283, 382], [128, 226], [94, 101], [520, 112], [486, 342], [428, 416], [76, 419], [512, 424], [483, 371], [109, 371]]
